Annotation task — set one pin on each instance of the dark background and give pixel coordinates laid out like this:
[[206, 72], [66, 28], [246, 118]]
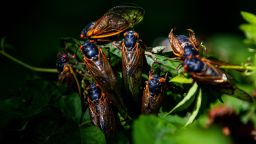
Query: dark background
[[34, 28]]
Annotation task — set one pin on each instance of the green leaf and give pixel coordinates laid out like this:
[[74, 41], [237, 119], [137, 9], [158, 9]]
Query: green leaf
[[70, 105], [115, 51], [249, 17], [194, 135], [181, 79], [150, 129], [196, 109], [166, 64], [187, 100], [92, 135], [158, 49], [249, 30], [178, 121]]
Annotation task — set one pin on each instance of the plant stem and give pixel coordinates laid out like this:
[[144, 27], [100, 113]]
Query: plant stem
[[237, 67], [37, 69]]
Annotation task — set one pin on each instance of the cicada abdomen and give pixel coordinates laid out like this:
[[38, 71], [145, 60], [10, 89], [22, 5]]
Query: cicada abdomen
[[66, 72], [99, 67], [132, 63], [153, 93], [100, 109], [113, 22]]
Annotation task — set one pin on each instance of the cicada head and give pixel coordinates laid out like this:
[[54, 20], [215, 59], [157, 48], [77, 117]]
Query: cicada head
[[62, 59], [90, 50], [86, 29], [155, 84], [130, 39]]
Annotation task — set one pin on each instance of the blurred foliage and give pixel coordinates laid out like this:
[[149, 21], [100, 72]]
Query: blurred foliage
[[43, 111]]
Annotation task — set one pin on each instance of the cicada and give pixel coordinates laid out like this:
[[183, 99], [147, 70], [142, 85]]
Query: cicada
[[132, 63], [100, 109], [184, 46], [113, 22], [99, 67], [208, 72], [202, 70], [66, 72], [153, 93]]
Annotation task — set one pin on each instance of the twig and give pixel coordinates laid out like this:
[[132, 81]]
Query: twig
[[37, 69]]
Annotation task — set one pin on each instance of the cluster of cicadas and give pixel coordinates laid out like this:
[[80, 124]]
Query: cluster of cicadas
[[93, 78]]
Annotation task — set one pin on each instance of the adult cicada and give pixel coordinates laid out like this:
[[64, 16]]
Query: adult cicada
[[100, 109], [99, 67], [66, 72], [206, 71], [113, 22], [153, 93], [132, 63]]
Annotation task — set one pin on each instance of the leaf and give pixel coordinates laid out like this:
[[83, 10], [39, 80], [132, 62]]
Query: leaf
[[92, 135], [249, 30], [166, 64], [196, 109], [158, 49], [187, 100], [178, 121], [150, 129], [70, 105], [181, 79], [249, 17], [115, 51], [195, 135], [49, 126]]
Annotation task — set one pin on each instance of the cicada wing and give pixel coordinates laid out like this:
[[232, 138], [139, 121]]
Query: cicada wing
[[145, 99], [92, 111], [107, 118], [108, 25], [193, 39], [175, 44], [69, 76], [115, 21], [132, 63], [131, 13]]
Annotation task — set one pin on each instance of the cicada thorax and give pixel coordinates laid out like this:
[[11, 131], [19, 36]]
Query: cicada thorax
[[113, 22], [153, 93], [132, 64], [101, 70], [184, 46], [100, 109], [67, 74]]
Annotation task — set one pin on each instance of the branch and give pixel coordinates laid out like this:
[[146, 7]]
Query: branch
[[37, 69]]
